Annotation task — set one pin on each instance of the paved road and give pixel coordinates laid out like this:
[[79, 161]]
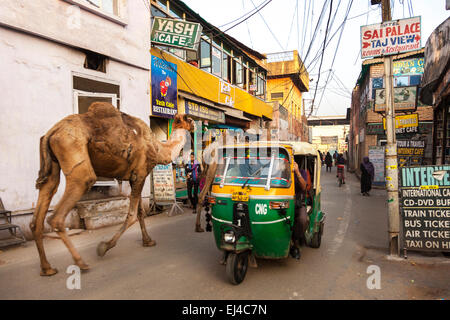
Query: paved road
[[184, 264]]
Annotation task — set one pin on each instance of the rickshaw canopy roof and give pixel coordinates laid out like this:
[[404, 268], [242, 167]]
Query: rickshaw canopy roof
[[301, 148], [298, 147]]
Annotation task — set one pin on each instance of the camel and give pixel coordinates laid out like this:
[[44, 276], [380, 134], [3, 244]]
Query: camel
[[209, 164], [101, 142]]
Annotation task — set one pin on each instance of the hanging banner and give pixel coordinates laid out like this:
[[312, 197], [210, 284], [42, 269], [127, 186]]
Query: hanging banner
[[164, 88], [425, 207], [176, 33], [390, 37]]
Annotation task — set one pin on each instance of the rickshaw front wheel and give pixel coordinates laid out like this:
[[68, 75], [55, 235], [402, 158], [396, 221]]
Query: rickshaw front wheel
[[236, 268], [316, 240]]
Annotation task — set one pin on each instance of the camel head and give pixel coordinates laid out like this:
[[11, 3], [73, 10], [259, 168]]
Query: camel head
[[182, 121]]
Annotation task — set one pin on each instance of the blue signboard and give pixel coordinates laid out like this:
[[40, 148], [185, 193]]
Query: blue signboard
[[164, 88]]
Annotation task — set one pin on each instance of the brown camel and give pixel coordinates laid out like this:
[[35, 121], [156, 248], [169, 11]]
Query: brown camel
[[101, 142]]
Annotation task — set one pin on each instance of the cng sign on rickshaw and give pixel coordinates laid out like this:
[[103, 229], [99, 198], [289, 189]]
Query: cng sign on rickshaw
[[176, 33]]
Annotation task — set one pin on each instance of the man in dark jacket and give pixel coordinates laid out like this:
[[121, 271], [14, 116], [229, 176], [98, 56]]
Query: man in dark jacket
[[193, 171]]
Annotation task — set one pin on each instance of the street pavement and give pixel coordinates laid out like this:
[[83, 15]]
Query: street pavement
[[184, 264]]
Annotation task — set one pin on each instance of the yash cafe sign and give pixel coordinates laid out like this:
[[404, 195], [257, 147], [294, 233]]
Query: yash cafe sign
[[390, 37], [176, 33]]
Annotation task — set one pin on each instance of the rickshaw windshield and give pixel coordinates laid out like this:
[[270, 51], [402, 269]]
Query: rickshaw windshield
[[254, 169]]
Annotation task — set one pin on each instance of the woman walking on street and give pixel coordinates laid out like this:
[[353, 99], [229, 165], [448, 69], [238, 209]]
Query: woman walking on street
[[328, 161], [367, 175]]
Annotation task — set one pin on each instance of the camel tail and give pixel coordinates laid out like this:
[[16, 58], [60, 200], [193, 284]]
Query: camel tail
[[45, 160]]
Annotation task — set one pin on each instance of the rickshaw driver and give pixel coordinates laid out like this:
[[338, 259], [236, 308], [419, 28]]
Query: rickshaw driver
[[300, 216]]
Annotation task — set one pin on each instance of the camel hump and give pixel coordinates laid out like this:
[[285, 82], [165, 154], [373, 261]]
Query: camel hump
[[103, 110]]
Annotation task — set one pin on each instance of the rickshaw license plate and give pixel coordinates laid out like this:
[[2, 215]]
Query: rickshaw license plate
[[239, 196]]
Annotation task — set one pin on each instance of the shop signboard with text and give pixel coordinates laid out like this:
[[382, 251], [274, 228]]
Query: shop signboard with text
[[164, 88], [390, 37], [425, 207], [204, 112], [176, 33], [408, 123]]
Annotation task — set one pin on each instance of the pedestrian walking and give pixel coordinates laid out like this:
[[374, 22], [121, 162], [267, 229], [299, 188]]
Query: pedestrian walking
[[328, 161], [193, 171], [367, 176]]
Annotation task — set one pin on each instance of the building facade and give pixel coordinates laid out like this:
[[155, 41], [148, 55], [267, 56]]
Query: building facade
[[436, 89], [367, 133], [221, 85], [286, 81], [55, 63]]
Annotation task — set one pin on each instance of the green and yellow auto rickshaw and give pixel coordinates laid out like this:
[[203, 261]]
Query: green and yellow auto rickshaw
[[253, 202]]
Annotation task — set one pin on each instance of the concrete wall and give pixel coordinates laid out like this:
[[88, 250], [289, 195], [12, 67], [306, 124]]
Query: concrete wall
[[124, 38], [37, 88]]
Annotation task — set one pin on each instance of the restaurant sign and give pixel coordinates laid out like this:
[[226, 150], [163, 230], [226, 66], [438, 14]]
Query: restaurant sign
[[425, 207], [176, 33], [204, 112], [390, 37], [405, 99]]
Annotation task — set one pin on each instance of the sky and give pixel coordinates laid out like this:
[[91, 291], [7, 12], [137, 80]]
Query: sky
[[285, 25]]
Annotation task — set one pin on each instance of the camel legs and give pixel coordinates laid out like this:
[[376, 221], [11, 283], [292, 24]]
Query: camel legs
[[78, 181], [211, 172], [46, 193], [146, 240], [135, 198]]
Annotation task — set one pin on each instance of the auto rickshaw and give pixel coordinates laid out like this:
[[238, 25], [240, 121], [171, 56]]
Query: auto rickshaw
[[253, 202]]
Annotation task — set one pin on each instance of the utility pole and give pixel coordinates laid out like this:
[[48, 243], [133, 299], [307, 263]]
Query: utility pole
[[391, 148]]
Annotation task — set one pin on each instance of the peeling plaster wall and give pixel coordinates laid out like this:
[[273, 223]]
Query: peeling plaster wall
[[36, 82]]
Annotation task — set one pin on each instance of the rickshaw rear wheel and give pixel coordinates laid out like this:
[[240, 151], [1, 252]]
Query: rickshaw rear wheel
[[236, 268]]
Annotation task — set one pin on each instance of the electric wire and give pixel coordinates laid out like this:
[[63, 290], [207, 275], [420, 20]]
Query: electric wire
[[270, 30], [337, 48], [321, 61]]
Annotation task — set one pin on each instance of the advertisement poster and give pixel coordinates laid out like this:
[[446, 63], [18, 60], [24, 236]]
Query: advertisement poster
[[405, 99], [376, 156], [164, 88], [390, 37], [425, 207]]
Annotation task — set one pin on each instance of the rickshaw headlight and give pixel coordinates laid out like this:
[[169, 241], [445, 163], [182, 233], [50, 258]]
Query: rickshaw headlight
[[277, 205], [229, 237], [212, 200]]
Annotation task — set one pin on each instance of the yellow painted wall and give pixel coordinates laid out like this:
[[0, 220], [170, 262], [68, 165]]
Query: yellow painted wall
[[292, 98], [203, 84]]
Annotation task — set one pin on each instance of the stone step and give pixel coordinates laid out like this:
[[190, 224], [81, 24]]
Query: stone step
[[94, 208], [104, 219]]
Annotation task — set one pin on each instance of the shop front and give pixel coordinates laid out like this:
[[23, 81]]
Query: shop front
[[206, 116]]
